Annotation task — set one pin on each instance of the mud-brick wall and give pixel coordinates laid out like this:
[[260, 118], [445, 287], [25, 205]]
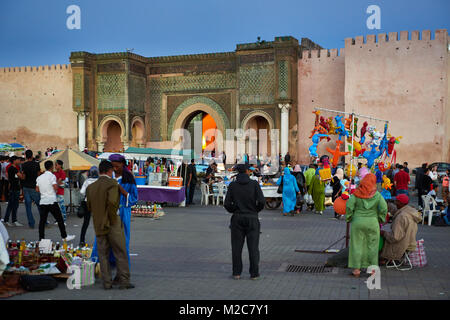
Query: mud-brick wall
[[36, 107], [321, 80], [403, 78]]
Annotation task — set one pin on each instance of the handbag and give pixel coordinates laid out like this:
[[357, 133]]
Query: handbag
[[280, 187], [82, 209], [418, 258]]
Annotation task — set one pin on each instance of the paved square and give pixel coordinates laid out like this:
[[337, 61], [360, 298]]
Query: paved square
[[187, 255]]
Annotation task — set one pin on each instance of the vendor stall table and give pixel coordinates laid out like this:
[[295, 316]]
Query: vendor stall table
[[162, 194]]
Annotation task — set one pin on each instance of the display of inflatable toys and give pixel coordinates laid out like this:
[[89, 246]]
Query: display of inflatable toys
[[371, 155], [324, 124], [336, 153], [375, 135], [316, 123], [386, 184], [331, 126], [391, 144], [363, 132], [313, 148], [350, 170], [340, 127], [358, 150], [382, 167], [348, 122]]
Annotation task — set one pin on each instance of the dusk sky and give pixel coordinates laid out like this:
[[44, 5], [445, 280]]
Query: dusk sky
[[34, 32]]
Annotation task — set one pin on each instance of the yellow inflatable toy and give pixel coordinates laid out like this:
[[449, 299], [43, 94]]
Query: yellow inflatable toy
[[386, 183], [353, 170]]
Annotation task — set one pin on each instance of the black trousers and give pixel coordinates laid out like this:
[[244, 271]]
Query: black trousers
[[245, 227], [86, 220], [191, 192], [56, 212], [4, 189], [419, 197]]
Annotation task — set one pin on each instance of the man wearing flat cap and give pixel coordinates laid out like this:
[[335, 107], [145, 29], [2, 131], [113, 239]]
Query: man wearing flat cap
[[402, 236], [244, 200]]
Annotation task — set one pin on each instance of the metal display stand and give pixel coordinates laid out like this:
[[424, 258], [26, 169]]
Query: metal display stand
[[346, 237]]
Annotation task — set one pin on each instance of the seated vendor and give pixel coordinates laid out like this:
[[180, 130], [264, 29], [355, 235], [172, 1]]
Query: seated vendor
[[210, 171], [402, 236]]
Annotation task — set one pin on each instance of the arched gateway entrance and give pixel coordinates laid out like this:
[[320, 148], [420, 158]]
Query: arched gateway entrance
[[258, 140], [211, 122], [111, 135]]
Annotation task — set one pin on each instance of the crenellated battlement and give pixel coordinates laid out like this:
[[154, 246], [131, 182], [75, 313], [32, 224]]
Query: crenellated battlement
[[322, 53], [425, 35], [53, 67]]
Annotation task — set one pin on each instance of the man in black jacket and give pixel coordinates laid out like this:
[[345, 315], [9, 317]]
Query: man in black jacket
[[420, 172], [244, 199]]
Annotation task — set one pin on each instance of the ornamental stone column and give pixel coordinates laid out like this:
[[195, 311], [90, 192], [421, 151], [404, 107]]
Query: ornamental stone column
[[284, 127], [82, 130]]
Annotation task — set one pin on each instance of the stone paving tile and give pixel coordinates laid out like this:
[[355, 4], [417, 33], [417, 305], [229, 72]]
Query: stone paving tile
[[187, 255]]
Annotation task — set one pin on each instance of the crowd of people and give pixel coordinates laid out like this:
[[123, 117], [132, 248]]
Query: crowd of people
[[110, 191]]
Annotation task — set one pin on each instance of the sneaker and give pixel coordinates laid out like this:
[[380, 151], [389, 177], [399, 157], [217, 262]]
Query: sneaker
[[321, 212], [236, 277], [2, 220], [9, 224], [18, 224], [69, 238], [255, 278]]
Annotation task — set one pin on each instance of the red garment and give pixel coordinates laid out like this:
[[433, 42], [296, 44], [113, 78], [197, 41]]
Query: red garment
[[401, 179], [60, 175]]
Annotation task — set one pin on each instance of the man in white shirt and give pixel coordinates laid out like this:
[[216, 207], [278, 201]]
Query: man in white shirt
[[47, 186]]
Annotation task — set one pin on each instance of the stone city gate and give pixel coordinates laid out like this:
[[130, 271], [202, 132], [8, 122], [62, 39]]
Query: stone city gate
[[148, 98]]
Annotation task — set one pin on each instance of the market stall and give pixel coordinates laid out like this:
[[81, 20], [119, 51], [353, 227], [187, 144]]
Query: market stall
[[73, 160], [162, 194]]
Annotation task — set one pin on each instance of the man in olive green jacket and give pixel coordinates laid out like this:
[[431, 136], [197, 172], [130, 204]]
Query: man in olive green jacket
[[103, 203]]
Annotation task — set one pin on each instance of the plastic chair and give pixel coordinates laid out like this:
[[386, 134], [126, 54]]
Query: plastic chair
[[206, 194], [427, 202], [221, 192], [404, 265]]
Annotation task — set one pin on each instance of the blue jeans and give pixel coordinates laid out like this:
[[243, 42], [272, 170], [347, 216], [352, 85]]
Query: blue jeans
[[31, 195], [13, 205], [62, 206], [401, 191]]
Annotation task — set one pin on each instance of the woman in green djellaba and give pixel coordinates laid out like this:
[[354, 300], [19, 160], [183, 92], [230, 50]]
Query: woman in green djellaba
[[366, 209]]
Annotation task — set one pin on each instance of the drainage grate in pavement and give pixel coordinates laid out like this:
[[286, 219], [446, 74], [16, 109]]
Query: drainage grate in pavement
[[308, 269]]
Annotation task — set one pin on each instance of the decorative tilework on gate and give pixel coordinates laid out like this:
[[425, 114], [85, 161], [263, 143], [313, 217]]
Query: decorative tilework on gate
[[161, 85], [136, 92], [77, 89], [283, 81], [111, 91], [257, 83]]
